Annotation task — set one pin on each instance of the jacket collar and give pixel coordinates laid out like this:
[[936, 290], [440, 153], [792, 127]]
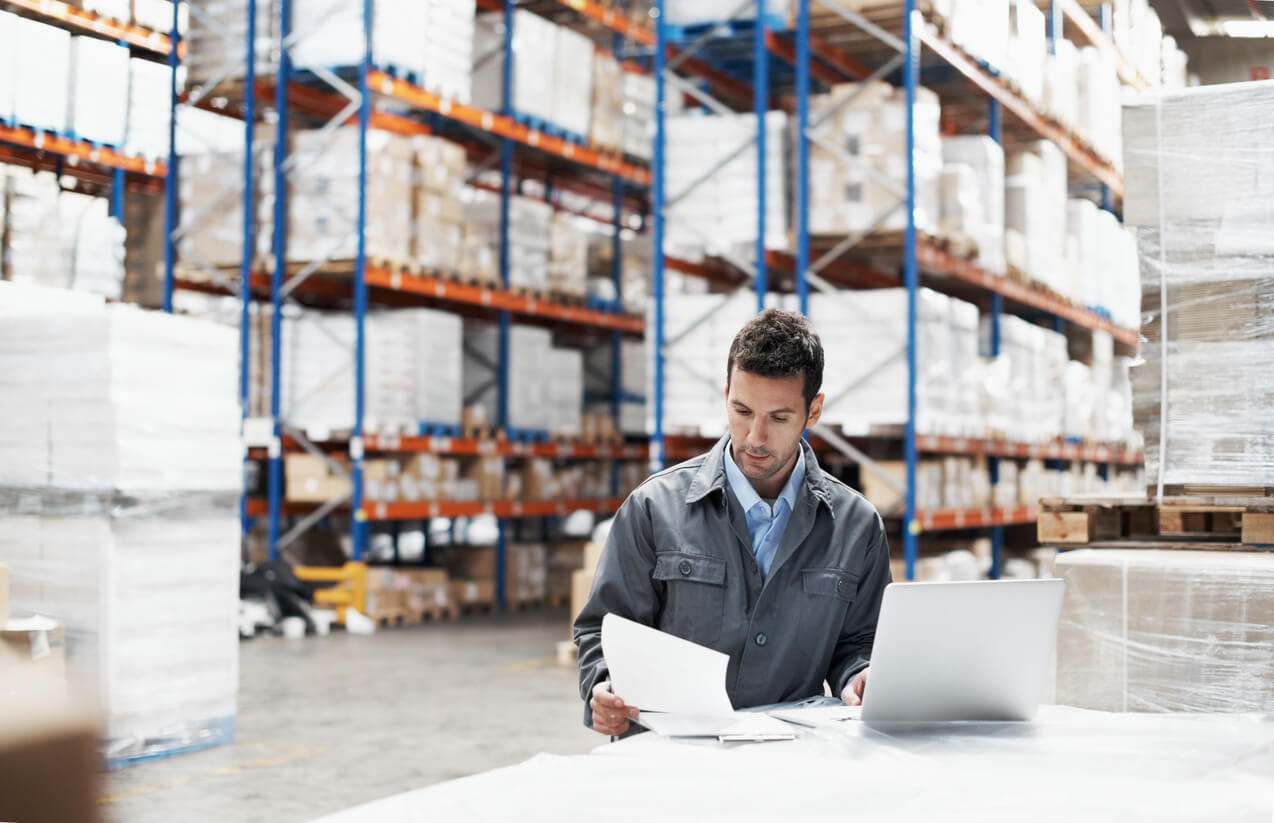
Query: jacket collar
[[711, 474]]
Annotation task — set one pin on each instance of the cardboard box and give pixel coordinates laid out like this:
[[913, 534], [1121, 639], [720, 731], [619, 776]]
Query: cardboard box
[[581, 587], [487, 475], [1174, 631], [37, 639], [472, 592], [48, 748], [308, 479]]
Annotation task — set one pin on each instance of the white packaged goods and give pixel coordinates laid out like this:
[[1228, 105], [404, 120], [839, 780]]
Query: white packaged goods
[[1204, 229], [110, 9], [859, 185], [719, 214], [99, 90], [1174, 62], [1098, 103], [606, 126], [693, 12], [9, 27], [981, 28], [41, 92], [639, 113], [572, 81], [412, 370], [438, 213], [961, 211], [1061, 82], [534, 64], [985, 158], [1166, 631], [448, 49], [149, 109], [632, 366], [864, 335], [530, 235], [217, 42], [695, 362], [530, 376], [322, 208], [565, 382], [1026, 49], [568, 257], [157, 15], [1035, 215]]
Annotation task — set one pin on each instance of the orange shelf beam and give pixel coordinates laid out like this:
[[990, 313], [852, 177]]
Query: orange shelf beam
[[80, 21], [506, 127], [948, 519], [77, 151], [502, 448]]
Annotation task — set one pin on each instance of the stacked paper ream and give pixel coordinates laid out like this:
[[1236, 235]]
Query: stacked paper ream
[[720, 214], [325, 184], [985, 159], [412, 370], [42, 85], [1203, 229], [606, 130], [850, 196]]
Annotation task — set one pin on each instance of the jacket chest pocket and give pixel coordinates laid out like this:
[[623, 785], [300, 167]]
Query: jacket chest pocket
[[694, 595], [829, 588]]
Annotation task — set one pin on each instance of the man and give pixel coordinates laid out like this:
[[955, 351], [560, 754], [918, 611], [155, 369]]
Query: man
[[750, 549]]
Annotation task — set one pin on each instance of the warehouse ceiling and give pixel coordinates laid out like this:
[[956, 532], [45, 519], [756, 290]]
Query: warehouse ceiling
[[1216, 18]]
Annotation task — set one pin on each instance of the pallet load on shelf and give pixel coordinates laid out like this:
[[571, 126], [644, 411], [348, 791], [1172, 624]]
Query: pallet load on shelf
[[632, 369], [440, 64], [1198, 191], [634, 271], [98, 105], [982, 29], [530, 235], [437, 241], [57, 238], [972, 192], [546, 384], [1061, 83], [525, 569], [1025, 50], [217, 39], [1166, 630], [407, 478], [639, 114], [719, 215], [866, 194], [697, 12], [567, 271], [1035, 215], [120, 470], [865, 378], [1138, 33], [606, 123], [39, 68], [552, 71], [411, 379], [149, 109], [408, 595], [1099, 96]]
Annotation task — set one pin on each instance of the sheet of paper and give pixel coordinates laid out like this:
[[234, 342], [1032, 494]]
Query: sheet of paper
[[658, 672], [818, 715], [739, 725]]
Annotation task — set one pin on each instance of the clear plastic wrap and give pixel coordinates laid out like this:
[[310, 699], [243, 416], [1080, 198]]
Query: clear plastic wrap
[[120, 471], [1166, 631], [1200, 190], [1068, 765]]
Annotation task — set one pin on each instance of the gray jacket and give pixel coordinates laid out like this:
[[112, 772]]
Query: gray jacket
[[679, 558]]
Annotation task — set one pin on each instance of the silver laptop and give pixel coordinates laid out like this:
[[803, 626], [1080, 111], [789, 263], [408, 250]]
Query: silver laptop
[[969, 651]]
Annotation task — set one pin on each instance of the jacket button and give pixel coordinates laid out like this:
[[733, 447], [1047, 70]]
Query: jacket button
[[840, 586], [685, 567], [761, 638]]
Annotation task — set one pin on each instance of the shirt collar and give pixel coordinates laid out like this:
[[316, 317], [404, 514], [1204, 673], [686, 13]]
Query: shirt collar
[[746, 494]]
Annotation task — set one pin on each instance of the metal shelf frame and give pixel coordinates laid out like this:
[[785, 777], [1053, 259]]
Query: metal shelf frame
[[903, 62]]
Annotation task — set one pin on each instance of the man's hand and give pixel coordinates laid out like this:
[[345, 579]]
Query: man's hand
[[610, 715], [853, 693]]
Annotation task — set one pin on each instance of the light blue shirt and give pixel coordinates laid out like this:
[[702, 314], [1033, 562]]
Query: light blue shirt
[[765, 524]]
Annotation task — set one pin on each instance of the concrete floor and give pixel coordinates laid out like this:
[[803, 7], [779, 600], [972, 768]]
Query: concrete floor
[[330, 722]]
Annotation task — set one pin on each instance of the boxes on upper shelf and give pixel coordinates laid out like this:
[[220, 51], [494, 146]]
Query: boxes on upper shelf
[[99, 108]]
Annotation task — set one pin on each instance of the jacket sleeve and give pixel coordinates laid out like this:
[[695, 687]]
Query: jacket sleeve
[[853, 649], [623, 584]]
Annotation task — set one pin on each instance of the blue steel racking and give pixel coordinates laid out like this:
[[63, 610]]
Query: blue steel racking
[[903, 66], [338, 106]]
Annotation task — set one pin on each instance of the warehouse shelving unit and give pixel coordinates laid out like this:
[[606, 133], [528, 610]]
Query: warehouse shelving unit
[[333, 98], [893, 43]]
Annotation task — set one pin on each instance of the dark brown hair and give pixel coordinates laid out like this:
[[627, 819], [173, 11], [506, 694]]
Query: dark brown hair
[[779, 344]]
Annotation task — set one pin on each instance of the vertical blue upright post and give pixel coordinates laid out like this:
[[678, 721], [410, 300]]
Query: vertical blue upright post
[[502, 362], [249, 236], [802, 154], [279, 243], [657, 452], [360, 526], [170, 179], [760, 105], [1107, 202], [911, 78], [1056, 24], [617, 397], [997, 307], [117, 194]]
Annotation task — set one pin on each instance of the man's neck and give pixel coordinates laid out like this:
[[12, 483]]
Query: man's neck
[[771, 487]]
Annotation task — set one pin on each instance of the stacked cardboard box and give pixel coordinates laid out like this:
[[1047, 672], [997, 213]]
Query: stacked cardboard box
[[406, 595], [98, 104], [149, 109], [639, 114], [606, 129], [1203, 230], [568, 256], [438, 227], [546, 384], [855, 188], [525, 570], [632, 367], [530, 235]]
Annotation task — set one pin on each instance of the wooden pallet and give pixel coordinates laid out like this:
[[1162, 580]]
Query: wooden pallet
[[1196, 520]]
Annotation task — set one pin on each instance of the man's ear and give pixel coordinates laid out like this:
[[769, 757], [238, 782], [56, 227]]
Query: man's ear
[[816, 411]]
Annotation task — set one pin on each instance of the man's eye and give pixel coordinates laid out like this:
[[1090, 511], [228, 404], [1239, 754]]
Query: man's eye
[[742, 412], [780, 420]]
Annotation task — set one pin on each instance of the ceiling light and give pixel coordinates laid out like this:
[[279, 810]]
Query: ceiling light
[[1248, 28]]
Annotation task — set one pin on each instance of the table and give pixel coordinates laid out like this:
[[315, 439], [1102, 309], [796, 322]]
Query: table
[[1068, 765]]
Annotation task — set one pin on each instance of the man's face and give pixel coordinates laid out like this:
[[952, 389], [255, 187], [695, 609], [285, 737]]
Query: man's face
[[767, 416]]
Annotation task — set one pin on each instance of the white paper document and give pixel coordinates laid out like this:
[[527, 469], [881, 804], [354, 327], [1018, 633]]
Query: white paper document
[[678, 685], [821, 715]]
